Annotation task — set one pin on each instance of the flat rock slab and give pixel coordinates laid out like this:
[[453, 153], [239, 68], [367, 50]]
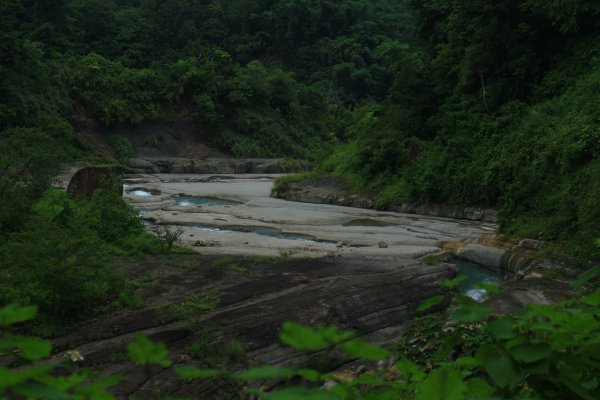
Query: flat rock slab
[[372, 296], [517, 294], [240, 228]]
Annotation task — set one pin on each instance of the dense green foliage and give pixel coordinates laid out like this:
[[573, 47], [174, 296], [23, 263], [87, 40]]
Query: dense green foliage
[[462, 102], [260, 78], [501, 108], [60, 260], [431, 101]]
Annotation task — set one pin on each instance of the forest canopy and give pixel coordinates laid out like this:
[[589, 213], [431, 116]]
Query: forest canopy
[[458, 102]]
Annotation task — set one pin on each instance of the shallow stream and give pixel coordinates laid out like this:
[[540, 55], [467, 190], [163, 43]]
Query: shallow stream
[[476, 274], [187, 201]]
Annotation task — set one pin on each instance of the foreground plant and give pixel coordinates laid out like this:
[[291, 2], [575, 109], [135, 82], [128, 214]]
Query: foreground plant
[[36, 380], [545, 352]]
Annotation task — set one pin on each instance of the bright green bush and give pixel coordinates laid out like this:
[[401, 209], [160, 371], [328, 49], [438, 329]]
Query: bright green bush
[[121, 147], [29, 159], [60, 258], [111, 218], [538, 164], [282, 183], [110, 92]]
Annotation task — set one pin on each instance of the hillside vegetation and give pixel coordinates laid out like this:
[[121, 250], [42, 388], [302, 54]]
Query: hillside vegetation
[[500, 107], [259, 79], [462, 102]]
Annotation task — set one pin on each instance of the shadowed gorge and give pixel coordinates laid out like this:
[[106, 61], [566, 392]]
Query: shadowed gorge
[[294, 199]]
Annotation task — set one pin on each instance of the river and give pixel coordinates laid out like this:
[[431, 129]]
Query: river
[[235, 215]]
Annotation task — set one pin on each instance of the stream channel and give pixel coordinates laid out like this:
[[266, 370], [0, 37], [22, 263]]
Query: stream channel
[[236, 215]]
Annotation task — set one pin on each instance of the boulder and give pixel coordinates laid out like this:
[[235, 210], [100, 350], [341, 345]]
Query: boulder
[[481, 254], [82, 180], [516, 294], [269, 167], [140, 166]]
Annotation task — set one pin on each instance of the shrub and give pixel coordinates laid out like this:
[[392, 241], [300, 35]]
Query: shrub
[[282, 183], [60, 265], [111, 218], [167, 235], [121, 147], [60, 258]]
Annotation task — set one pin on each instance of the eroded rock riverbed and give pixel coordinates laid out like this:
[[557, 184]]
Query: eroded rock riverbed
[[262, 262], [327, 229]]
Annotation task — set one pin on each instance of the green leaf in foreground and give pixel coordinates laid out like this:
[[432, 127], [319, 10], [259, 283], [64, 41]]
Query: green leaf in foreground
[[593, 299], [530, 352], [586, 277], [430, 302], [479, 388], [360, 349], [13, 314], [453, 283], [309, 374], [298, 393], [146, 352], [471, 313], [442, 384], [9, 378], [501, 368], [32, 390], [265, 372], [33, 348], [490, 289], [503, 328], [191, 372], [409, 370], [308, 339]]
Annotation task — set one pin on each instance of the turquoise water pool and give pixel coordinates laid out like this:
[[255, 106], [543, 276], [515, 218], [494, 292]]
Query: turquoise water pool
[[188, 201], [476, 274]]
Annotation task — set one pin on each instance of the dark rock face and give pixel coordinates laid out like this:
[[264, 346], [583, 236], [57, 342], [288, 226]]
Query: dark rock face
[[324, 192], [516, 294], [448, 211], [372, 296], [215, 166], [85, 182], [82, 180]]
